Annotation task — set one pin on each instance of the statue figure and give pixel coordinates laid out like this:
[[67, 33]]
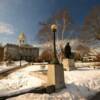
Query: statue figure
[[67, 51]]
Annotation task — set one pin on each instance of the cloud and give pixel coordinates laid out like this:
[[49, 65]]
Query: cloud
[[6, 29]]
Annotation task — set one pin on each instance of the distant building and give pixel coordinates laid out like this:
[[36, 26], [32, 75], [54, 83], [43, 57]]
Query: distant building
[[23, 52], [90, 56]]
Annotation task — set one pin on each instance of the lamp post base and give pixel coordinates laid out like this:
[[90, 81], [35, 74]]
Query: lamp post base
[[56, 76]]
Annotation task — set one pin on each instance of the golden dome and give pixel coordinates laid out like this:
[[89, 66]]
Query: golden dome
[[21, 36]]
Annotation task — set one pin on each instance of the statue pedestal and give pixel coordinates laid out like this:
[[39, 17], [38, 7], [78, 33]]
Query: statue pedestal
[[56, 76], [68, 64]]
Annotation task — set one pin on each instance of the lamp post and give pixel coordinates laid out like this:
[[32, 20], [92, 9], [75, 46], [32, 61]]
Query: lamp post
[[54, 29], [20, 58]]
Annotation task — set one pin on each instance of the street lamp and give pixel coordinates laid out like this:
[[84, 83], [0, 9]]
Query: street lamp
[[20, 57], [54, 29]]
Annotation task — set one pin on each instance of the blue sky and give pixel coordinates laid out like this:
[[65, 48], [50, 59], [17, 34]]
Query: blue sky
[[24, 15]]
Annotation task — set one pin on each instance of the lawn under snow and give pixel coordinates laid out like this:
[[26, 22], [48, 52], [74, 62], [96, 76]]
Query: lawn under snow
[[4, 66], [83, 82], [20, 79], [80, 84]]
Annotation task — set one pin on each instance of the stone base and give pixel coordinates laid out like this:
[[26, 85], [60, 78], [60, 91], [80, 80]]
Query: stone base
[[68, 64], [56, 76]]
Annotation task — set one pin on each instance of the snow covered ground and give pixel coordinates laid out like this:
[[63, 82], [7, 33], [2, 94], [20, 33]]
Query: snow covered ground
[[20, 79], [83, 82], [88, 64], [3, 66], [80, 84]]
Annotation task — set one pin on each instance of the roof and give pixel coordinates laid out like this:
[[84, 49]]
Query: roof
[[22, 36]]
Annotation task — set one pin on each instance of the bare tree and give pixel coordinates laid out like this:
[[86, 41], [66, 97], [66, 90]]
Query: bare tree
[[62, 19], [46, 55], [91, 26], [82, 50]]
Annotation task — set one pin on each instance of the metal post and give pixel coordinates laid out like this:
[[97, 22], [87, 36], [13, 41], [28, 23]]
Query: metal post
[[55, 59], [20, 55], [54, 45], [20, 60]]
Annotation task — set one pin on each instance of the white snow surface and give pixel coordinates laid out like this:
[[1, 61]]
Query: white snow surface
[[80, 84], [88, 64], [3, 66], [20, 79], [83, 82]]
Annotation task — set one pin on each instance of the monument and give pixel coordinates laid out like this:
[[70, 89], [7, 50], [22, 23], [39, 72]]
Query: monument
[[68, 61], [56, 76], [55, 69]]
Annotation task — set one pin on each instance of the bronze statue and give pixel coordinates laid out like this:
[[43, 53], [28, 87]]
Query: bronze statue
[[67, 51]]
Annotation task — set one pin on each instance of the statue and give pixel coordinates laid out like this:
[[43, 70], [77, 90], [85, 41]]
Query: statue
[[67, 51], [68, 62]]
